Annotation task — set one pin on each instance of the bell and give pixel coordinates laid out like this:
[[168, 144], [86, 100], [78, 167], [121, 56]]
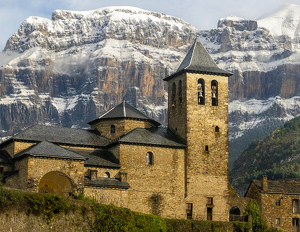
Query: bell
[[213, 95], [200, 94]]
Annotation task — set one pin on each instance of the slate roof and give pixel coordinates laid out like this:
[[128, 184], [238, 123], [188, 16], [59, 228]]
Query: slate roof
[[62, 135], [106, 182], [198, 60], [5, 157], [279, 186], [159, 136], [124, 110], [99, 158], [46, 149]]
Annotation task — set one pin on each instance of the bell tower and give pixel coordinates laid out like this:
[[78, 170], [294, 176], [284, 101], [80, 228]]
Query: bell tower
[[198, 114]]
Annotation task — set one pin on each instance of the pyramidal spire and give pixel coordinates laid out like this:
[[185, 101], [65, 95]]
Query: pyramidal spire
[[198, 60]]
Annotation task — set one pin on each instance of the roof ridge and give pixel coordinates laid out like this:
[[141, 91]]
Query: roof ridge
[[194, 46]]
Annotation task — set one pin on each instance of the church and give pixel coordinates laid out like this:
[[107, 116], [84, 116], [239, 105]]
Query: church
[[130, 160]]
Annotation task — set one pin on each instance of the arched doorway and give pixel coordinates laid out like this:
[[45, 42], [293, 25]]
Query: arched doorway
[[56, 183], [234, 213]]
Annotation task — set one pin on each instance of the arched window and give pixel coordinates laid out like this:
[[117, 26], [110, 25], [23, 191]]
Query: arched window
[[174, 94], [217, 129], [112, 129], [201, 92], [214, 92], [149, 158], [206, 149], [107, 174], [234, 214], [180, 91]]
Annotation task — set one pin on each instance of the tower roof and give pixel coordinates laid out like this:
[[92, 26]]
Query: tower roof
[[124, 110], [198, 60]]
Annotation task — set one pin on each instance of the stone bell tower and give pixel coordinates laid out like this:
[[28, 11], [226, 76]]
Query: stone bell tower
[[198, 114]]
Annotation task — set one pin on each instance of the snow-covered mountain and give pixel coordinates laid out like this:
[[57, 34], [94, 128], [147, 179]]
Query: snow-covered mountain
[[69, 69]]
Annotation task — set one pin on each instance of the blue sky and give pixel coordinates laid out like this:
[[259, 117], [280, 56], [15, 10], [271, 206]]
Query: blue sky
[[203, 14]]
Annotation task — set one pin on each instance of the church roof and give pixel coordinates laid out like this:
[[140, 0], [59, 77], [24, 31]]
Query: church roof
[[46, 149], [62, 135], [124, 110], [158, 136], [280, 186], [98, 158], [198, 60]]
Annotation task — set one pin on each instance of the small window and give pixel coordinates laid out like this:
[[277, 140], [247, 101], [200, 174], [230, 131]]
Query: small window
[[277, 221], [112, 129], [278, 202], [149, 158], [1, 170], [201, 92], [180, 91], [174, 94], [295, 204], [209, 214], [206, 149], [189, 210], [209, 200], [214, 92], [107, 174], [217, 129]]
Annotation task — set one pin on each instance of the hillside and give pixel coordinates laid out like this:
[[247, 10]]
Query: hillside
[[26, 212], [277, 155]]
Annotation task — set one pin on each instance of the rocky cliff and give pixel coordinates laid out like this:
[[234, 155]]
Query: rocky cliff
[[69, 69]]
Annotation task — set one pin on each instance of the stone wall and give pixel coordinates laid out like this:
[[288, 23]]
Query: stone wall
[[19, 180], [284, 212], [15, 221], [32, 169], [156, 189], [177, 114], [21, 146], [101, 171], [122, 126], [206, 167], [159, 187], [253, 193]]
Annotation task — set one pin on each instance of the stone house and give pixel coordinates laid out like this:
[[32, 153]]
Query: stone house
[[279, 202], [130, 160]]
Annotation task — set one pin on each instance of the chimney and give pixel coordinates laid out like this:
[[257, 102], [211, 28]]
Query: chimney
[[122, 176], [93, 174], [264, 182]]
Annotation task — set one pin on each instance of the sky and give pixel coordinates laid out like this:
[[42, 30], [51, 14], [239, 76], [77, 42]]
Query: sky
[[203, 14]]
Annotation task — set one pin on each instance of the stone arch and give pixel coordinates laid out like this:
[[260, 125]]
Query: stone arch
[[56, 183], [234, 213]]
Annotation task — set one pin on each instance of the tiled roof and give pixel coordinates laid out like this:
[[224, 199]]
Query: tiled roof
[[99, 158], [280, 186], [124, 110], [159, 136], [106, 182], [62, 135], [5, 157], [46, 149], [199, 60]]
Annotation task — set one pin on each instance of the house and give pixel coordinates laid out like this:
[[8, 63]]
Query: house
[[130, 160], [279, 202]]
